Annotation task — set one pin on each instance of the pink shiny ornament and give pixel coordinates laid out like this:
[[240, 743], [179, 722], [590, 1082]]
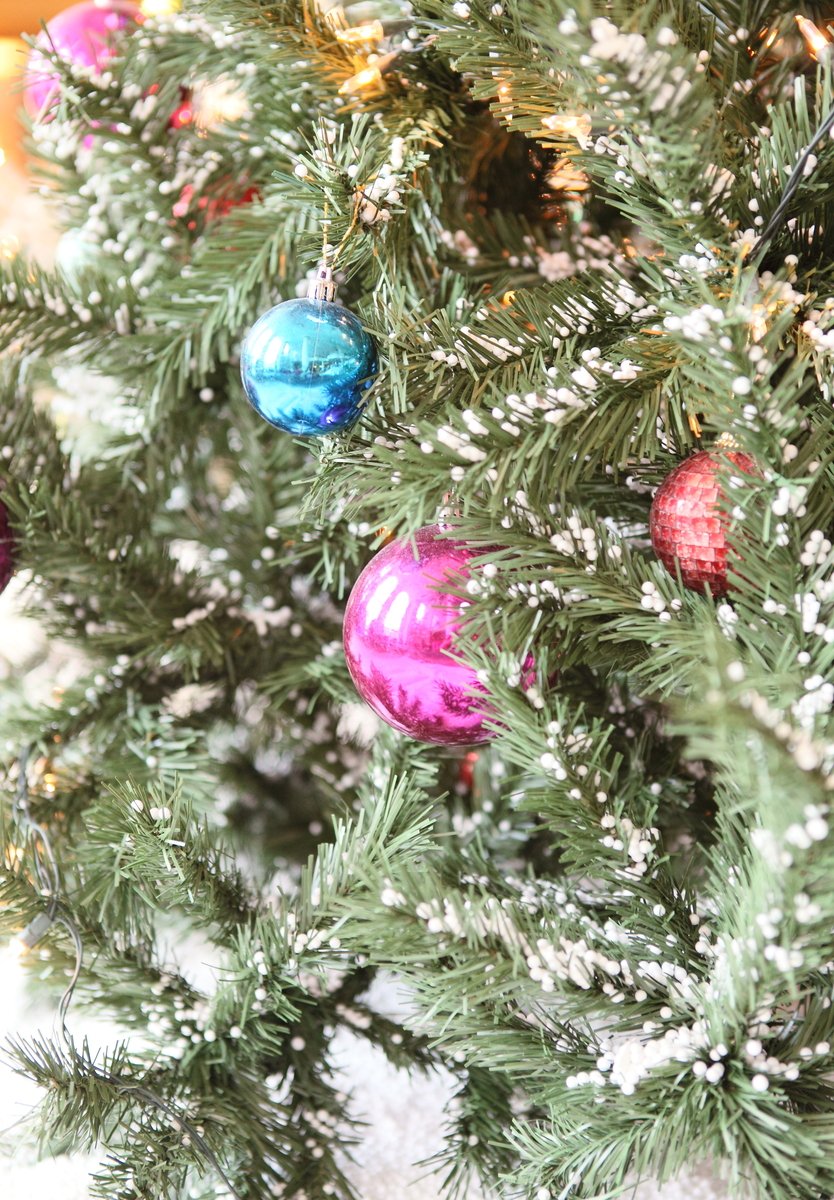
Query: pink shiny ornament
[[399, 634], [6, 548], [83, 33]]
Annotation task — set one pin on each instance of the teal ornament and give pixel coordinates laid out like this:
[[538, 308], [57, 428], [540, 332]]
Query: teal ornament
[[307, 364]]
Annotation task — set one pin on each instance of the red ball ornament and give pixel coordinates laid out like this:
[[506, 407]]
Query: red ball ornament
[[688, 528], [182, 116], [399, 631], [210, 208]]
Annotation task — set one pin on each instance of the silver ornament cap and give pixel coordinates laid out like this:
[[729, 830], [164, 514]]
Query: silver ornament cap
[[321, 286]]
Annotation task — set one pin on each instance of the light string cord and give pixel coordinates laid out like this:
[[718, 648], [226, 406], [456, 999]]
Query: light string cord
[[48, 878], [790, 189]]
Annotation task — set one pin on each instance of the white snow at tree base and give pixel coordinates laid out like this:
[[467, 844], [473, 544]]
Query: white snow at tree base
[[404, 1113]]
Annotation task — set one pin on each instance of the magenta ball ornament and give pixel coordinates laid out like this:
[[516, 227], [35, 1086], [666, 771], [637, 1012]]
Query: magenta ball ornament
[[6, 548], [399, 633], [87, 35]]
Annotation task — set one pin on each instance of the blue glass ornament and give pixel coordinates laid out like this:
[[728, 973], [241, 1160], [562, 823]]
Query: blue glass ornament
[[306, 364]]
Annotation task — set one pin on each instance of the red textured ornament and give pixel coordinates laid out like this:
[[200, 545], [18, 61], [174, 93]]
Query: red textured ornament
[[687, 525]]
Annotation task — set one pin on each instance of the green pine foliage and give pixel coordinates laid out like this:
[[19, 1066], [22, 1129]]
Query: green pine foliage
[[617, 935]]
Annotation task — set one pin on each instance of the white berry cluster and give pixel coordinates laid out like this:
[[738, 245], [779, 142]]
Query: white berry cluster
[[380, 195]]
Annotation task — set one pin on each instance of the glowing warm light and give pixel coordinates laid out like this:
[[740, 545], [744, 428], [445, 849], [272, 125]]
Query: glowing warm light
[[361, 35], [12, 57], [769, 36], [218, 103], [17, 948], [50, 782], [13, 854], [11, 60], [507, 299], [569, 125], [363, 81], [566, 176], [815, 39], [160, 8]]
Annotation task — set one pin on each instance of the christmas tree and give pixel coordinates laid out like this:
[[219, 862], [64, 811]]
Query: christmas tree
[[584, 332]]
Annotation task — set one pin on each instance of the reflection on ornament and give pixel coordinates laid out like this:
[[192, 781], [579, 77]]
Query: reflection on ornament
[[399, 634], [85, 34], [306, 364], [687, 524]]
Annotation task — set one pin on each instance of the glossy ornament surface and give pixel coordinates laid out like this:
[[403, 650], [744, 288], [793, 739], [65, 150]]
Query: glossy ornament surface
[[86, 35], [686, 522], [399, 635], [6, 548], [306, 365]]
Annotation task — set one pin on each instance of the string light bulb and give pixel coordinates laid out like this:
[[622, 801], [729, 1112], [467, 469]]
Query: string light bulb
[[369, 34], [567, 177], [368, 81], [218, 103], [569, 125], [34, 932], [816, 41]]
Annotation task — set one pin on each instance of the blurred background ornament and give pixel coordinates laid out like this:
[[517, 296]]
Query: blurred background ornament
[[6, 548], [86, 35]]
